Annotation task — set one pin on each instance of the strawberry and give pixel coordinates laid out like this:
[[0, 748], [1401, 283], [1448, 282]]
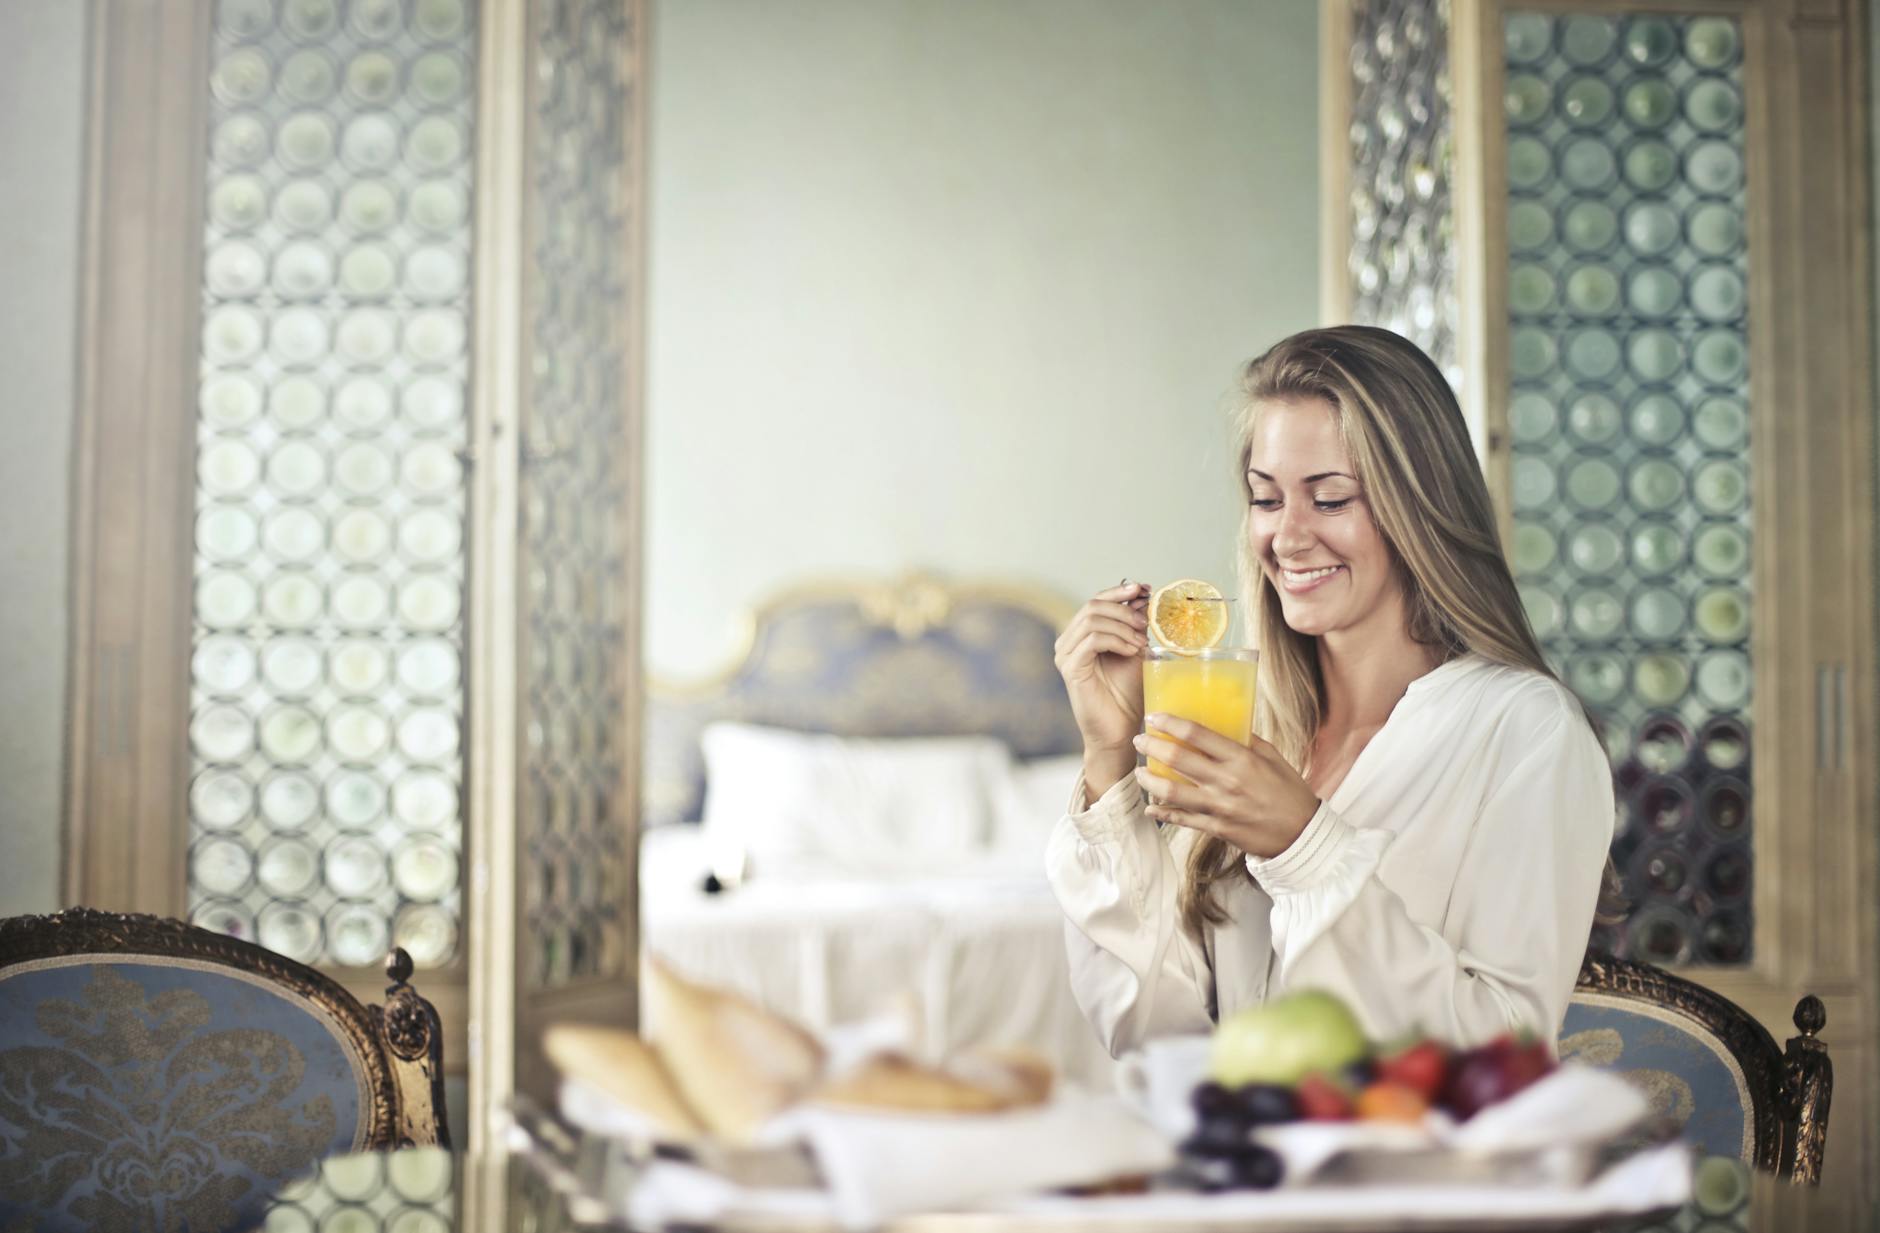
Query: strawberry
[[1423, 1068], [1321, 1100]]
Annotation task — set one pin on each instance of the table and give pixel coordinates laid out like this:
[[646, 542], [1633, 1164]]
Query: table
[[546, 1179]]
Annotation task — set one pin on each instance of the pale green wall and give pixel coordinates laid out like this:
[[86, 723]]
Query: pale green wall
[[962, 285], [41, 132]]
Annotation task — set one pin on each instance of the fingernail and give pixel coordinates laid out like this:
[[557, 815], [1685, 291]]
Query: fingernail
[[1157, 720], [1138, 740]]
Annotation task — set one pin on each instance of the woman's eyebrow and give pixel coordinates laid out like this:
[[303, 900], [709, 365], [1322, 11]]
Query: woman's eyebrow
[[1310, 479]]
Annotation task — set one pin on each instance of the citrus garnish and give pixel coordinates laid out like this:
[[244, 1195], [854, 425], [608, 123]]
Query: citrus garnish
[[1188, 615]]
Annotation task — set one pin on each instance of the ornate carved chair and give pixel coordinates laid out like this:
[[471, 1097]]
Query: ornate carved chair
[[154, 1075], [1707, 1065]]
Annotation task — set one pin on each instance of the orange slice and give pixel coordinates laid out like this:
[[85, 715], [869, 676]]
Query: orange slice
[[1188, 615]]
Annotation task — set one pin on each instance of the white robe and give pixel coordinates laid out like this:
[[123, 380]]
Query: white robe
[[1448, 886]]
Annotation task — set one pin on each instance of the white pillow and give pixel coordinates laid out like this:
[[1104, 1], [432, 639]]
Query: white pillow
[[784, 803], [1034, 796]]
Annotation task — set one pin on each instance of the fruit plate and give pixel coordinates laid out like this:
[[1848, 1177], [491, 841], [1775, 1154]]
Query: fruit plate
[[1556, 1131]]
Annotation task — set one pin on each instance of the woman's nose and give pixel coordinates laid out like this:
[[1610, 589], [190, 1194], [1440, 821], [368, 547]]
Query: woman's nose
[[1291, 535]]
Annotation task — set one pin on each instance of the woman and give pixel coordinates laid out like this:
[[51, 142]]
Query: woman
[[1435, 859]]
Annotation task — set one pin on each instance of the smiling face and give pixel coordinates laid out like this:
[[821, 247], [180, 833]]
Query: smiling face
[[1311, 527]]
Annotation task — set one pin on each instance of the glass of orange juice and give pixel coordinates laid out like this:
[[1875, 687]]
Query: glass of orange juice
[[1214, 687]]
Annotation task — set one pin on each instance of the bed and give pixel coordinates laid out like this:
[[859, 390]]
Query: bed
[[851, 819]]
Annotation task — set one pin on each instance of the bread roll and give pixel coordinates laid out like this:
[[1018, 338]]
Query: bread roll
[[626, 1068], [984, 1083], [735, 1063]]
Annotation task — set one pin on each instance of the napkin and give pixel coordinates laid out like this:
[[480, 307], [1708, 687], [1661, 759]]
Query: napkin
[[881, 1165]]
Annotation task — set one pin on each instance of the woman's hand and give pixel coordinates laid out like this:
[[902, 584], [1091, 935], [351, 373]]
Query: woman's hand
[[1099, 655], [1246, 794]]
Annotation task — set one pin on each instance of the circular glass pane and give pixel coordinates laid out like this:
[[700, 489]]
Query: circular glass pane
[[1723, 679], [1714, 169], [1543, 609], [368, 207], [1652, 228], [291, 930], [1587, 164], [1595, 549], [1657, 548], [1711, 42], [360, 601], [1657, 420], [428, 734], [1722, 614], [372, 79], [355, 799], [304, 206], [1653, 291], [367, 336], [359, 668], [1590, 226], [311, 19], [1592, 355], [434, 273], [225, 532], [302, 271], [440, 207], [1533, 548], [361, 536], [294, 533], [1530, 226], [1527, 99], [1592, 291], [308, 77], [243, 77], [1650, 166], [1650, 103], [427, 932], [304, 141], [1530, 289], [238, 203], [1712, 105], [370, 144], [1717, 293], [1656, 484], [287, 868], [1721, 424], [231, 335], [436, 144], [1657, 614], [437, 80], [220, 800], [439, 20], [230, 400], [298, 338], [296, 468], [1528, 37], [1595, 419], [221, 733], [355, 866], [223, 665], [363, 469], [432, 403], [1531, 418], [429, 536], [289, 801], [434, 336], [1599, 678], [1715, 229], [1649, 41], [290, 735], [424, 869], [1593, 484], [1534, 352], [1586, 102], [291, 666], [220, 867], [1588, 40], [228, 467], [1533, 483], [1720, 487], [367, 272], [1660, 679], [224, 600], [430, 472], [425, 799], [1530, 164], [1722, 551], [235, 270], [1596, 613], [1720, 357], [358, 936], [1655, 355], [357, 734]]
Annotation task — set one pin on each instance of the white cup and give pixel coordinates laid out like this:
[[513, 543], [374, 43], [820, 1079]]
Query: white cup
[[1159, 1079]]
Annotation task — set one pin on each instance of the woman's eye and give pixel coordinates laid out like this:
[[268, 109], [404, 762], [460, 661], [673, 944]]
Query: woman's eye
[[1264, 503], [1329, 506]]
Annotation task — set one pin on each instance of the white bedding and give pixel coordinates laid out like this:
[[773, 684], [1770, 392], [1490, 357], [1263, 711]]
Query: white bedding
[[980, 953]]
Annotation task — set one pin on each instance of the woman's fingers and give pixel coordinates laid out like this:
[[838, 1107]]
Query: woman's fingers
[[1197, 736], [1176, 757], [1097, 642], [1093, 616], [1163, 791], [1193, 820]]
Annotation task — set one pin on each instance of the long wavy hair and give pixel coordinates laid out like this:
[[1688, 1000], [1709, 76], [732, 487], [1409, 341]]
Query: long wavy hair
[[1410, 449]]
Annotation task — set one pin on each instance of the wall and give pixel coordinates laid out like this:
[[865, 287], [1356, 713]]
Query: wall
[[42, 75], [961, 285]]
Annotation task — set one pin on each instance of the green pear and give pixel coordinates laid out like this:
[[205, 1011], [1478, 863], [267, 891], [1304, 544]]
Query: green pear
[[1286, 1039]]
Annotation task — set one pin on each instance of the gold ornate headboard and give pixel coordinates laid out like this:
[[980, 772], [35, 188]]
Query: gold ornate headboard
[[913, 656]]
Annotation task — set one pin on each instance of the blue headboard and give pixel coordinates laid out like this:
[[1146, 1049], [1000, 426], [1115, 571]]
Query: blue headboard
[[914, 656]]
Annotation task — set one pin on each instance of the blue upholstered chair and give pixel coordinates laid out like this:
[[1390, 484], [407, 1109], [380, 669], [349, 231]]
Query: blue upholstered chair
[[1707, 1065], [157, 1076]]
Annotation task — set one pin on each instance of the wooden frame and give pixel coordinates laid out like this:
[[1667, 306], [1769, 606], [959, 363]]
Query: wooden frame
[[126, 822], [126, 826], [399, 1043], [1811, 317]]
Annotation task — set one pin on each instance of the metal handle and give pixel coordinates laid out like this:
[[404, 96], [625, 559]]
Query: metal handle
[[1824, 717], [1831, 719]]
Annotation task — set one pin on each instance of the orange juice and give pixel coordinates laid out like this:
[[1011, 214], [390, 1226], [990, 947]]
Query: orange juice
[[1214, 687]]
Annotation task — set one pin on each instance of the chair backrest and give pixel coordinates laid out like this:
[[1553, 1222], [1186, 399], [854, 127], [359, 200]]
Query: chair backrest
[[157, 1075], [1706, 1064]]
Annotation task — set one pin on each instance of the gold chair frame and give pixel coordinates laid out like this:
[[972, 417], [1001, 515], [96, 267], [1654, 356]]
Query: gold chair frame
[[1789, 1089], [401, 1042]]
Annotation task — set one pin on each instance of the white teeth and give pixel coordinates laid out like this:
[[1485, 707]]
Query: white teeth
[[1308, 575]]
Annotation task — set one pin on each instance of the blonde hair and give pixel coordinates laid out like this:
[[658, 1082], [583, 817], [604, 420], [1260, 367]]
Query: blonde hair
[[1410, 449]]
